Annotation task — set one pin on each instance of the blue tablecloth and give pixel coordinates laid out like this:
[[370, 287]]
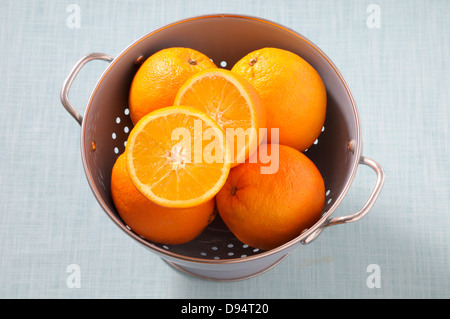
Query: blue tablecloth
[[394, 57]]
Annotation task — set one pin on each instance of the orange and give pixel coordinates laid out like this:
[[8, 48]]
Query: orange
[[158, 79], [291, 91], [233, 102], [151, 221], [177, 156], [270, 209]]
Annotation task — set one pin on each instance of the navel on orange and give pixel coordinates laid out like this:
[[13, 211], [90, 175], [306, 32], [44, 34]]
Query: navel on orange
[[233, 102], [177, 156], [158, 79]]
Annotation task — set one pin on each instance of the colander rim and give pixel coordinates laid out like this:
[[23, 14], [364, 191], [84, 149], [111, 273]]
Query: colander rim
[[288, 246]]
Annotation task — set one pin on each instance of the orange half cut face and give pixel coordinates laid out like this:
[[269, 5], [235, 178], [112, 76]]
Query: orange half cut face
[[177, 157]]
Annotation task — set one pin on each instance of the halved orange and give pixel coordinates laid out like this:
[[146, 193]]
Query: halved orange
[[177, 156], [233, 102]]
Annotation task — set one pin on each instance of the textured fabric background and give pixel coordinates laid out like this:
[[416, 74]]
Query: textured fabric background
[[398, 74]]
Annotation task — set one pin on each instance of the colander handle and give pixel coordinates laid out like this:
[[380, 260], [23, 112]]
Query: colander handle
[[64, 95], [364, 210]]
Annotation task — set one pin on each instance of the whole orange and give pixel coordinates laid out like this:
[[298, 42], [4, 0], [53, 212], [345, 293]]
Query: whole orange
[[268, 210], [159, 78], [291, 91], [151, 221]]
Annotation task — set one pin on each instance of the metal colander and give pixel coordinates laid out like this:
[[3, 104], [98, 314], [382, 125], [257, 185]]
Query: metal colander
[[217, 254]]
